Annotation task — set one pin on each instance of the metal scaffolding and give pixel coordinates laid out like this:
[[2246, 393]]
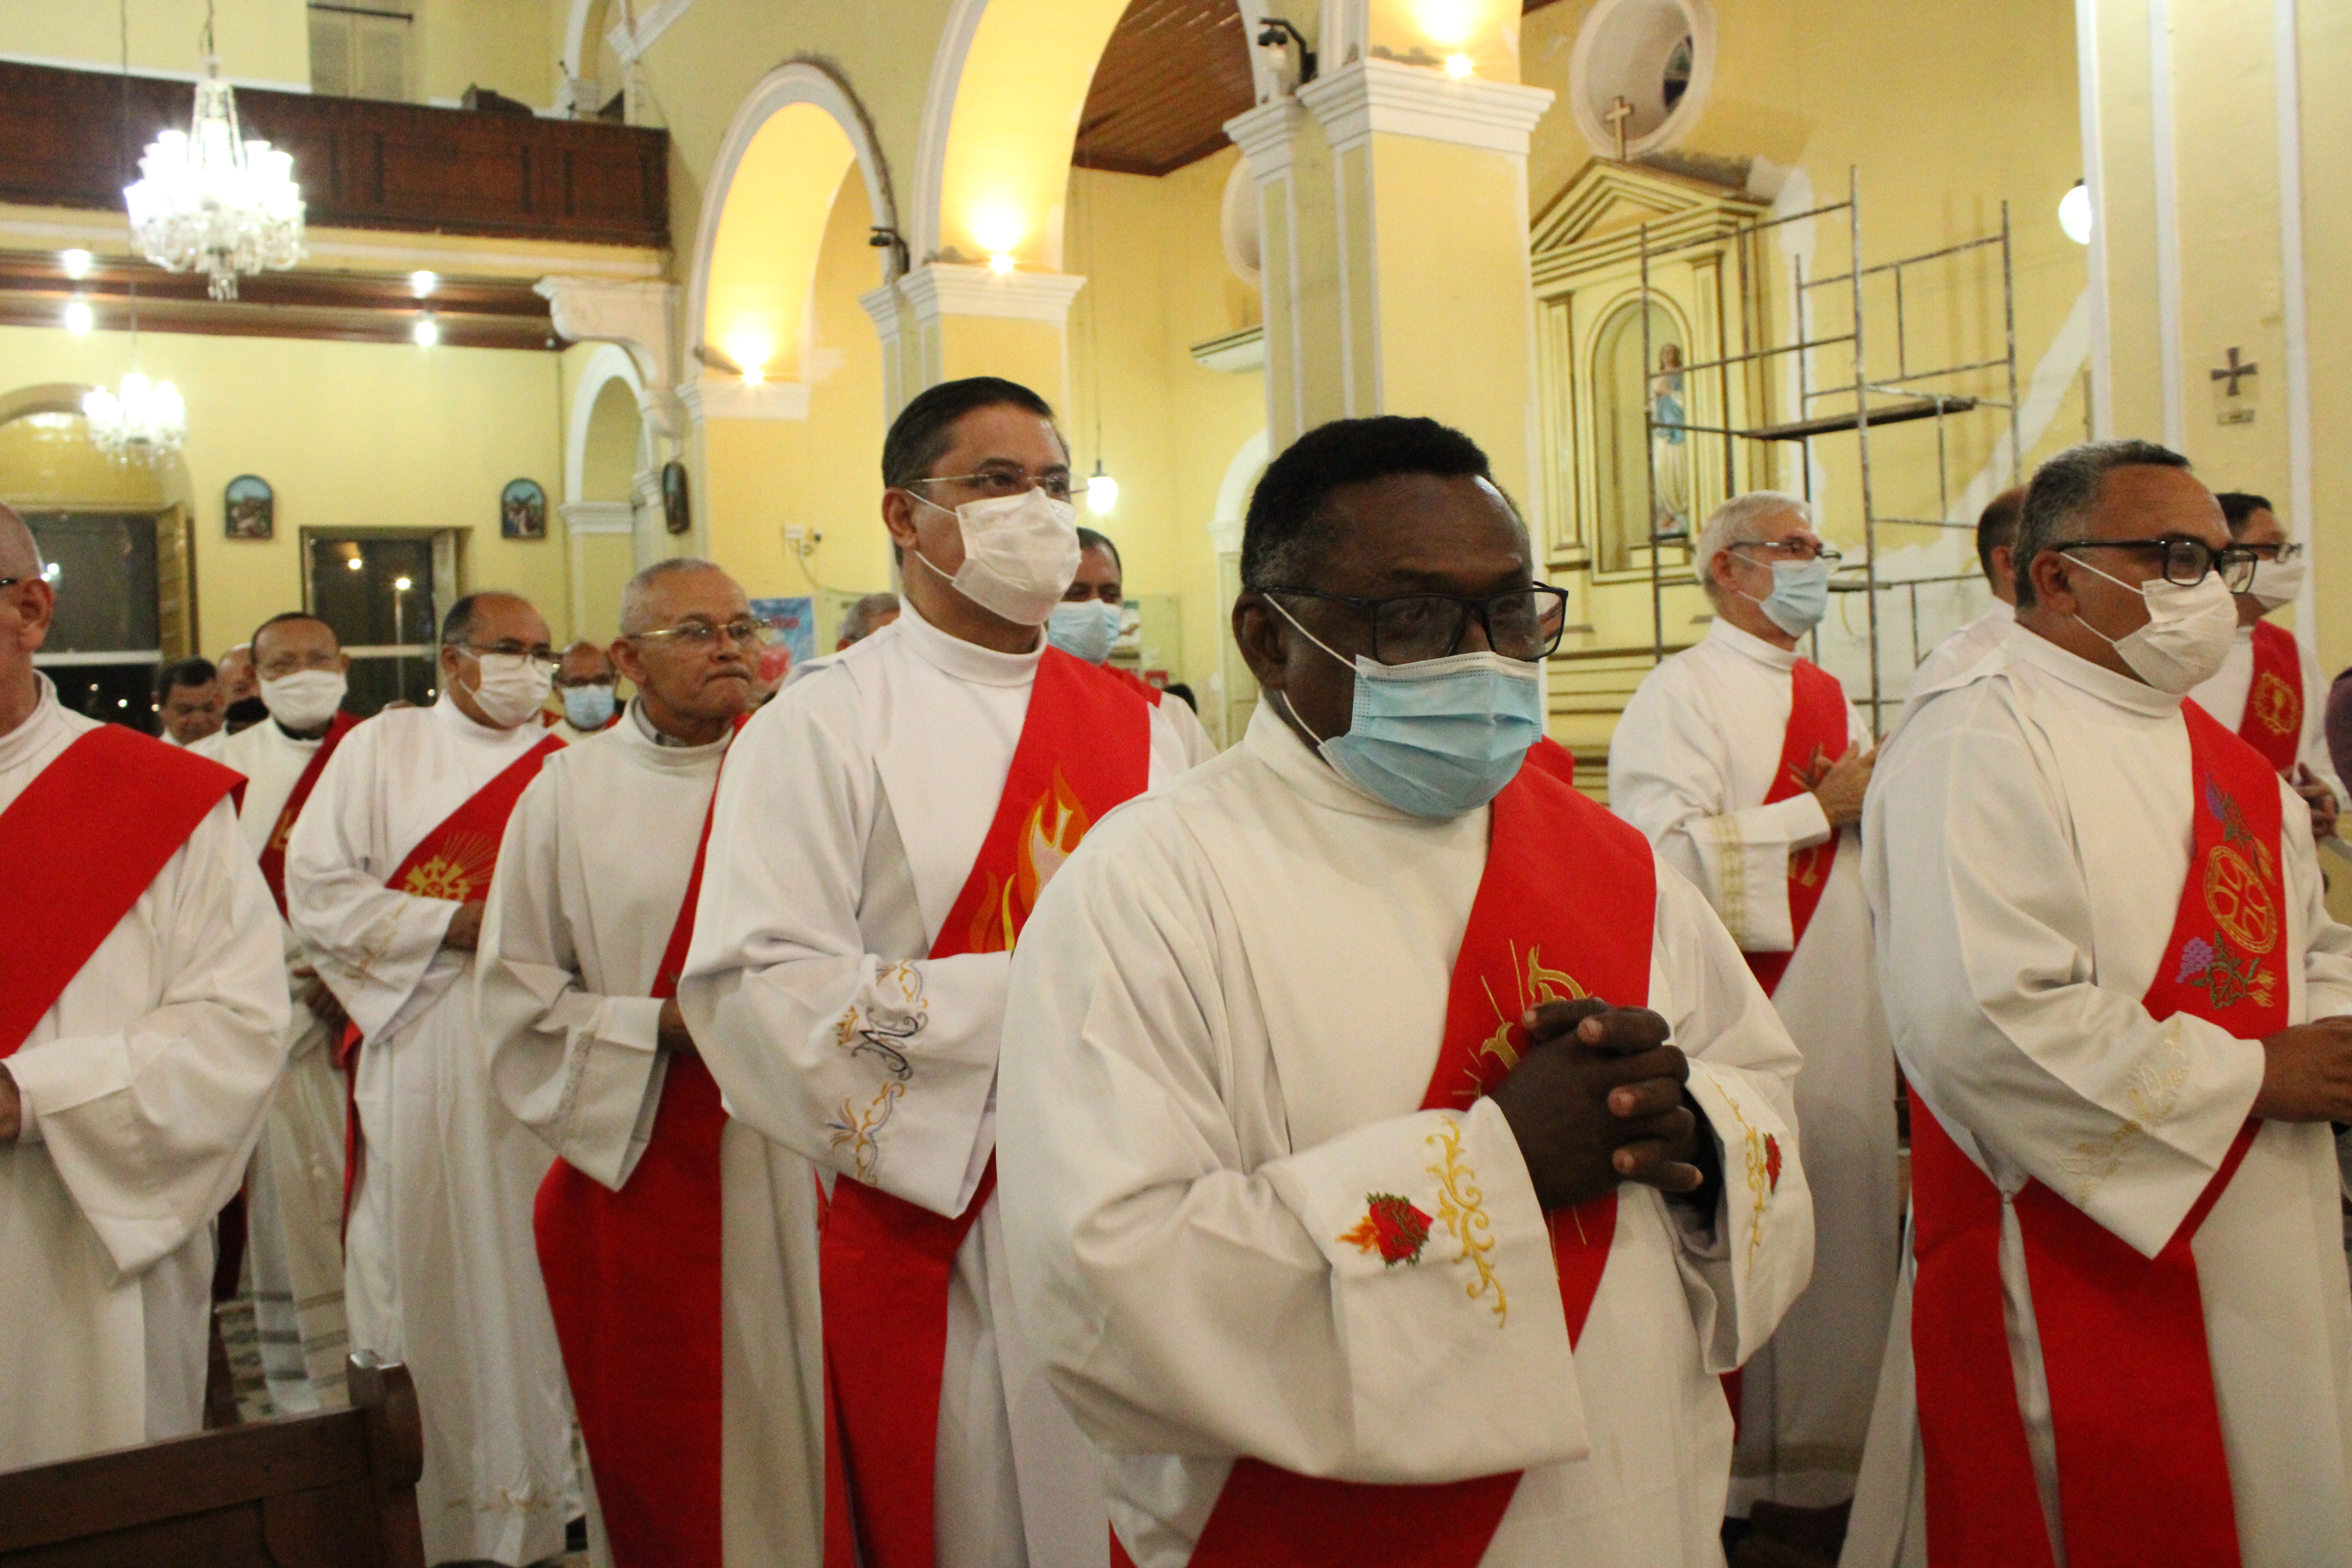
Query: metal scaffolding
[[1865, 402]]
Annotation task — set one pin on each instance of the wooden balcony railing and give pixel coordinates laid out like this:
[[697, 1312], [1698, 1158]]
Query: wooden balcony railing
[[362, 165]]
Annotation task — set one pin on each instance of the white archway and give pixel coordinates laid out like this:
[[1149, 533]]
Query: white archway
[[1233, 492], [609, 363]]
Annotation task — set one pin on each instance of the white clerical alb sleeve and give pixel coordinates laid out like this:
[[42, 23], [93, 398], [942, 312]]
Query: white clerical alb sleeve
[[807, 988], [371, 946], [150, 1125], [2003, 1024], [1669, 775], [580, 1069], [1382, 1307]]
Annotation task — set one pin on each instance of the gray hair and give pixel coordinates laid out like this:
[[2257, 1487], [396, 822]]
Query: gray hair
[[857, 623], [20, 552], [640, 587], [2058, 502], [1740, 521]]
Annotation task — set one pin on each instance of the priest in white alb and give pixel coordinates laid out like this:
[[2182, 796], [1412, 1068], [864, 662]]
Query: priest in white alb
[[385, 877], [2269, 692], [679, 1247], [887, 824], [1356, 1198], [2126, 1022], [141, 1030], [1746, 765], [294, 1196], [1996, 557]]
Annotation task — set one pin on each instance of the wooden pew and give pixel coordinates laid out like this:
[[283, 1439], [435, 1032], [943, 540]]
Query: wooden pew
[[334, 1490]]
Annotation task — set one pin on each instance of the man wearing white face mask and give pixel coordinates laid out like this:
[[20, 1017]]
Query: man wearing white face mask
[[2269, 691], [1085, 626], [888, 822], [1342, 1138], [294, 1195], [2122, 1009], [387, 872], [1746, 765]]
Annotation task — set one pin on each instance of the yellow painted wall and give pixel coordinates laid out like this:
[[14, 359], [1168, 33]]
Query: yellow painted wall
[[1158, 283], [509, 46], [262, 41], [2326, 51], [351, 436]]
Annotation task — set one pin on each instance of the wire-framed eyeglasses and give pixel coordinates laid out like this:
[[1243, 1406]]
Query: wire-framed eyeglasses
[[2186, 560], [1522, 623], [699, 636], [999, 480]]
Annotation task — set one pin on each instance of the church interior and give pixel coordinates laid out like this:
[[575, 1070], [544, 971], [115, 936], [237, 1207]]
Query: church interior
[[580, 284]]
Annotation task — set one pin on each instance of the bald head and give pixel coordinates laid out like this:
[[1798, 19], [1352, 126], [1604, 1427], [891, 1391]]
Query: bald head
[[28, 603], [19, 555]]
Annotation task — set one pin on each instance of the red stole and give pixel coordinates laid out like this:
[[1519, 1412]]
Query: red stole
[[642, 1268], [455, 860], [2142, 1475], [1565, 909], [1817, 734], [2273, 723], [1134, 682], [1084, 747], [85, 838], [272, 857]]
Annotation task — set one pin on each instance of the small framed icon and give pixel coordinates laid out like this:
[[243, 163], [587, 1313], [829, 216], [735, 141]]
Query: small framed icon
[[250, 507], [522, 510], [677, 511]]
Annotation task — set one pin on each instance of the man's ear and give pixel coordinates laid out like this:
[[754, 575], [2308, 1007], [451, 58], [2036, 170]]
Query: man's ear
[[898, 517], [626, 662], [1257, 632], [448, 662], [2051, 583]]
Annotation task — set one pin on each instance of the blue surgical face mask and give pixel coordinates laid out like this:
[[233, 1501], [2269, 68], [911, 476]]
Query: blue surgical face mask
[[1437, 738], [588, 706], [1084, 628], [1799, 596]]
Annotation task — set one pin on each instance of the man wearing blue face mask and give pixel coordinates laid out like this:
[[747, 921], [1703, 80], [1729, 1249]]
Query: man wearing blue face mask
[[1354, 1197], [1745, 764], [1085, 626], [585, 682]]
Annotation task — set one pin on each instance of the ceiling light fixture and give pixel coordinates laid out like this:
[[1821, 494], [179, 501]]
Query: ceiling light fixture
[[2075, 214], [208, 200], [75, 264], [426, 332], [422, 283], [78, 319], [143, 421]]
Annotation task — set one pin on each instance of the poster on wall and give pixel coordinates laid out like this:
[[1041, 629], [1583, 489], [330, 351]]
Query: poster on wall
[[522, 510], [794, 619], [250, 507]]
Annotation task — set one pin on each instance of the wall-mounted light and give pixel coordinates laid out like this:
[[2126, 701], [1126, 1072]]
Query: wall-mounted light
[[749, 350], [1273, 31], [2075, 214], [425, 332], [401, 584], [79, 318], [1001, 263], [1457, 66], [1000, 229], [356, 563], [1451, 23], [422, 283], [75, 264], [1102, 491]]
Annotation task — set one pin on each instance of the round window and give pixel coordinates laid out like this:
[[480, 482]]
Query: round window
[[1641, 72]]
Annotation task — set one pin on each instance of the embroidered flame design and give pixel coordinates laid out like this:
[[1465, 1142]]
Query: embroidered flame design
[[1392, 1227], [1049, 835], [460, 872]]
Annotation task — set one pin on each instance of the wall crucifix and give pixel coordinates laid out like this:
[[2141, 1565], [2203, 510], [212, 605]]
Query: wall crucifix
[[2233, 370], [1618, 113]]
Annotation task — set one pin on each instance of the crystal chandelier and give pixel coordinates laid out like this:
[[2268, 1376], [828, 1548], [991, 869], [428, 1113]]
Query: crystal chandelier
[[146, 421], [207, 200]]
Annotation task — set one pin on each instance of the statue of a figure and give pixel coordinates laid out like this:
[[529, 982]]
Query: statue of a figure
[[1670, 443]]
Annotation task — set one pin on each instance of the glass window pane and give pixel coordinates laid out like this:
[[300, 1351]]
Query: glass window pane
[[103, 564]]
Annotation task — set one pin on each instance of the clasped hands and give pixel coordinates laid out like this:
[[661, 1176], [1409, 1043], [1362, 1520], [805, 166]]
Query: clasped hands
[[1598, 1098]]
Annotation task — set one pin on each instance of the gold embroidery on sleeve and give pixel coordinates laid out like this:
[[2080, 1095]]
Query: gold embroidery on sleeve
[[1730, 875], [1462, 1209], [878, 1026], [1760, 1165], [2154, 1095]]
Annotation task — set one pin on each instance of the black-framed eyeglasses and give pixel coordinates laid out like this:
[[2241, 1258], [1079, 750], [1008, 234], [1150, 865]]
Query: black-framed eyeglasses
[[12, 582], [999, 480], [1523, 623], [1790, 549], [2186, 560], [698, 636]]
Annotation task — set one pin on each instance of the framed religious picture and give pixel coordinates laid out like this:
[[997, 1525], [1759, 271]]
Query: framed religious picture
[[522, 510], [251, 507], [678, 515]]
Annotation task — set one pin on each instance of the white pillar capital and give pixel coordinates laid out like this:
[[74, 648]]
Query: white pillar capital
[[938, 289], [1388, 96], [635, 315], [1268, 137]]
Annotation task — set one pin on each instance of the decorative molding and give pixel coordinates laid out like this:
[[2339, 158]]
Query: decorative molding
[[938, 289], [729, 398], [1235, 353], [881, 305], [599, 516], [637, 316], [609, 363], [940, 95], [1596, 221], [1268, 137], [1400, 100], [629, 43]]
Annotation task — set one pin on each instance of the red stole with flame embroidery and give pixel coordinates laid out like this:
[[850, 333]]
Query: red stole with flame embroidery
[[1817, 735], [2142, 1474], [643, 1266], [85, 838], [272, 859], [1084, 747], [2273, 723], [455, 860], [1566, 909]]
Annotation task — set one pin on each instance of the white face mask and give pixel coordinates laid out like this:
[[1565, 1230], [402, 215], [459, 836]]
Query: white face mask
[[1020, 553], [513, 687], [2188, 636], [2277, 582], [306, 698]]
